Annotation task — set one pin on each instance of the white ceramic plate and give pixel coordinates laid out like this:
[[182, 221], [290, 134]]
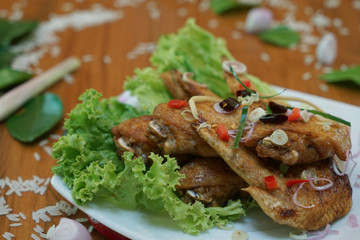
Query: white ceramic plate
[[139, 225]]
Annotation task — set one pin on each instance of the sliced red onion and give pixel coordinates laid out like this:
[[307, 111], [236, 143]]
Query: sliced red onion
[[258, 20], [127, 98], [252, 127], [232, 133], [319, 188], [70, 230], [295, 196], [238, 67], [219, 109], [321, 234], [348, 157], [353, 221], [326, 50]]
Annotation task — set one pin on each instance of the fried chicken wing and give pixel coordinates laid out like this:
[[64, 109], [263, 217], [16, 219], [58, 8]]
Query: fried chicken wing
[[210, 181], [328, 205], [129, 136], [307, 141], [182, 86], [174, 135]]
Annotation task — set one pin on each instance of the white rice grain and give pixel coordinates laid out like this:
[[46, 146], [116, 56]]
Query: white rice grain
[[38, 229], [308, 59], [43, 142], [107, 59], [8, 235], [182, 12], [48, 150], [13, 217], [204, 5], [306, 76], [323, 87], [265, 57], [55, 136], [213, 23], [91, 228], [87, 58], [356, 4], [236, 35], [34, 237], [81, 220], [37, 156], [22, 215], [15, 224]]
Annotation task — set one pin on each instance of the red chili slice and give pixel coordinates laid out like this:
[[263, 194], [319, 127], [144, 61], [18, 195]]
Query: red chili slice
[[295, 114], [291, 182], [177, 103], [270, 182], [247, 83], [222, 132]]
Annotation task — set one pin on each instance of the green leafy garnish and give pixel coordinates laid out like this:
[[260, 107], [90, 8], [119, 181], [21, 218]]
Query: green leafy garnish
[[6, 59], [240, 130], [349, 74], [281, 36], [268, 109], [10, 77], [148, 87], [276, 94], [283, 169], [192, 49], [222, 6], [13, 30], [38, 116]]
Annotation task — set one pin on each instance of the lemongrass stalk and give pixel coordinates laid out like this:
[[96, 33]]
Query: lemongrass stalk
[[14, 99]]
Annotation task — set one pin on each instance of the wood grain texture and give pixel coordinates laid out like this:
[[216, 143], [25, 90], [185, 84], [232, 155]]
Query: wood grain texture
[[118, 38]]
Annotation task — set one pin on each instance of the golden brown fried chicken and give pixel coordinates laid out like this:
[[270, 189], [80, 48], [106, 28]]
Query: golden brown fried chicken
[[328, 205], [210, 181], [307, 141], [174, 135], [129, 136], [182, 86]]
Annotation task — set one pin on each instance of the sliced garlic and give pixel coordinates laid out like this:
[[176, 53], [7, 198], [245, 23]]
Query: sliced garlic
[[238, 67], [279, 137], [256, 114], [325, 125], [305, 115], [239, 235]]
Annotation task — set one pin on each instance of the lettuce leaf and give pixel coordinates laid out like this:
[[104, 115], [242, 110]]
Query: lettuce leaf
[[194, 50], [148, 87]]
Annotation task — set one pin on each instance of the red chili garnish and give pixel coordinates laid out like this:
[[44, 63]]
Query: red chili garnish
[[270, 182], [177, 103], [295, 114], [246, 83], [291, 182], [222, 132]]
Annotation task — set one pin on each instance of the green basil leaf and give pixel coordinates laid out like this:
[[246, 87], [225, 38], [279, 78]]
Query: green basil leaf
[[37, 117], [222, 6], [281, 36], [10, 77], [13, 30], [6, 58], [349, 74]]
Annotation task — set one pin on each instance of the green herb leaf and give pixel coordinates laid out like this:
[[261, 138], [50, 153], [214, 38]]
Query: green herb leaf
[[222, 6], [268, 109], [349, 74], [281, 36], [13, 30], [6, 58], [37, 117], [10, 77], [264, 97], [241, 127], [238, 79]]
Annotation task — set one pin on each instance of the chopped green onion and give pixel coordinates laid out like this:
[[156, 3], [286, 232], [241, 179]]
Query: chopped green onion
[[238, 79], [273, 95], [241, 127], [268, 109], [326, 115], [283, 168]]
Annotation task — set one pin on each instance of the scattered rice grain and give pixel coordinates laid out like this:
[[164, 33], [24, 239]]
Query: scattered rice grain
[[43, 142], [213, 23], [38, 229], [182, 12], [55, 136], [87, 58], [81, 220], [48, 150], [204, 5], [91, 228], [107, 59], [22, 215], [69, 78], [344, 31], [67, 7], [323, 87], [33, 236], [13, 217], [327, 69], [306, 76], [236, 35], [343, 67], [265, 57], [356, 4], [308, 59], [331, 4], [15, 224], [37, 156]]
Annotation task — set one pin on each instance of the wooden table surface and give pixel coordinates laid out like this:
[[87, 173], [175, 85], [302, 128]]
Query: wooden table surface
[[141, 24]]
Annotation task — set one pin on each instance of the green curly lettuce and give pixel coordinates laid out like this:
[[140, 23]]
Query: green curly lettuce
[[192, 49]]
